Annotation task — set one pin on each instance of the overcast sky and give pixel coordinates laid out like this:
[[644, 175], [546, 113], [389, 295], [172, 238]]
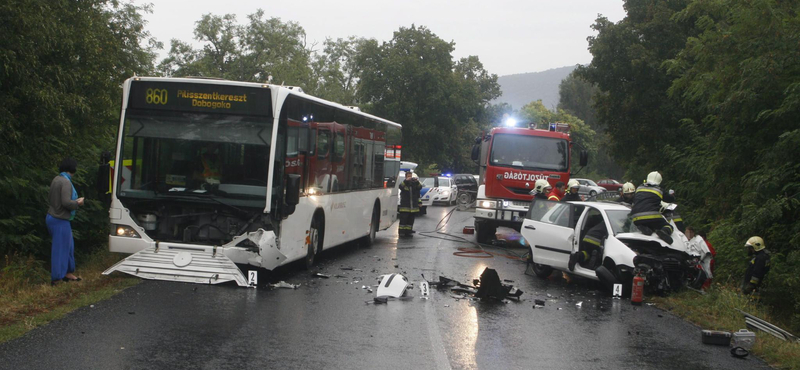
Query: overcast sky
[[509, 37]]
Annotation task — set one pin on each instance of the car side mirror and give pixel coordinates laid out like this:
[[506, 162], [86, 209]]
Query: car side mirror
[[476, 152], [584, 158]]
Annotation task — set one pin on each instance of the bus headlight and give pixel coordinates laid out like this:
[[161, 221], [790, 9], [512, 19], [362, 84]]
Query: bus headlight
[[127, 231], [488, 204]]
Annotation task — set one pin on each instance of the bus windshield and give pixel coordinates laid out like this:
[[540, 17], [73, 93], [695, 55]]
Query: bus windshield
[[173, 153], [530, 152]]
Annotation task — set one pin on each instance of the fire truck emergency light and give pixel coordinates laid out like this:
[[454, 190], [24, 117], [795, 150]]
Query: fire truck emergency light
[[511, 122]]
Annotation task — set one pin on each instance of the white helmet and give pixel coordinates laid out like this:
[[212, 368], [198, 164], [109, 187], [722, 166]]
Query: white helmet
[[628, 188], [541, 185], [654, 178], [573, 184]]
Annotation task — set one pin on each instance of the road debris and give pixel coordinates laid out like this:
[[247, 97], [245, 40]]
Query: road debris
[[284, 285], [392, 285], [491, 287], [321, 275], [579, 304]]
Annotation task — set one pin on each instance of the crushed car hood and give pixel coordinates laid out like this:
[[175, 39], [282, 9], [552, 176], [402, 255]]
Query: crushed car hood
[[680, 243]]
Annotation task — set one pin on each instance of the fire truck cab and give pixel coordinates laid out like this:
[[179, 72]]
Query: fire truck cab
[[511, 159]]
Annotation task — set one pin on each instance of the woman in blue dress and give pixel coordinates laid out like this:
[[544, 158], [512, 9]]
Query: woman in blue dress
[[63, 202]]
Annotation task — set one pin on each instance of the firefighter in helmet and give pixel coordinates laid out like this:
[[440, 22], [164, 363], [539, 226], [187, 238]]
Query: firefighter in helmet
[[409, 203], [572, 194], [758, 267], [541, 189], [646, 209], [628, 192]]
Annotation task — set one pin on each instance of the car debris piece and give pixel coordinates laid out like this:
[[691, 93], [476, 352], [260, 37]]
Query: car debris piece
[[392, 285], [346, 268], [491, 287], [579, 304], [539, 302], [754, 322], [321, 275], [283, 284]]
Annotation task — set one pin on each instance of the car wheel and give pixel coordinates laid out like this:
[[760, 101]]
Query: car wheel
[[542, 271], [592, 193], [607, 278]]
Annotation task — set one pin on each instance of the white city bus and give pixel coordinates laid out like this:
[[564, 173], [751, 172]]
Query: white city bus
[[214, 173]]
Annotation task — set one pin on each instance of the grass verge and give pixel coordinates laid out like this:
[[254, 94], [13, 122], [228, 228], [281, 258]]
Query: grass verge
[[716, 310], [28, 301]]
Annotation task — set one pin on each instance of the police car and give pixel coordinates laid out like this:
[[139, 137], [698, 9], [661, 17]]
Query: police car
[[439, 189]]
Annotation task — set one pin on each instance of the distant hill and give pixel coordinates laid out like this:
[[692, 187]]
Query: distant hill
[[523, 88]]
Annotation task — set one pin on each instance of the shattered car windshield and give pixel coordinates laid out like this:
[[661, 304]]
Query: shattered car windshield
[[621, 222]]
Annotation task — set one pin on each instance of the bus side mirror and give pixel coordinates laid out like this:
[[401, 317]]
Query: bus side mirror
[[476, 152], [293, 190], [104, 178], [584, 158]]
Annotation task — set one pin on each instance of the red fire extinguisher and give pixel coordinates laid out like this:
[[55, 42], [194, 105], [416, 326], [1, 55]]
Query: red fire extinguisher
[[637, 292]]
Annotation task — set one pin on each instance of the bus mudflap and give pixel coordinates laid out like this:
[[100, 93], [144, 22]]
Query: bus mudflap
[[181, 264]]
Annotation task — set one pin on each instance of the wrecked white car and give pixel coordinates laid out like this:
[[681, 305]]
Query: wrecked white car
[[554, 231]]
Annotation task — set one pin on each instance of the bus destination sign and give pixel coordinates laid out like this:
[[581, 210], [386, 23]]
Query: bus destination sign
[[200, 97]]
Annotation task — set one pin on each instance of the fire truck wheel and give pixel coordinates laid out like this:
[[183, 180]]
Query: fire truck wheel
[[484, 232]]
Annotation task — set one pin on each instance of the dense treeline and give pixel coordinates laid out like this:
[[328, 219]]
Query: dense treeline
[[62, 63], [708, 93]]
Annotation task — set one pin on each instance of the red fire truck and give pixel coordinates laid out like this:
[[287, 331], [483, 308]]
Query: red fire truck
[[511, 159]]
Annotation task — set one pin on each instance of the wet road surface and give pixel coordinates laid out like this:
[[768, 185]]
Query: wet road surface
[[327, 324]]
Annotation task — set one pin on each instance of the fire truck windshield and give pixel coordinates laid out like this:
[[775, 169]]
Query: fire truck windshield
[[530, 153]]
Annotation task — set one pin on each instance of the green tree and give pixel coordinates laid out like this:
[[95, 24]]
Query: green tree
[[62, 64], [576, 98], [412, 79], [254, 52]]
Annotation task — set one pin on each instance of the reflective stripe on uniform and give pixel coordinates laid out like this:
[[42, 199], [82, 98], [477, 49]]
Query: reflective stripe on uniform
[[754, 280], [592, 240], [654, 191], [405, 209], [646, 216], [553, 197]]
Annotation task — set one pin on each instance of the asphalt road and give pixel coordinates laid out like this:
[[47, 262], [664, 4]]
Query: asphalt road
[[327, 324]]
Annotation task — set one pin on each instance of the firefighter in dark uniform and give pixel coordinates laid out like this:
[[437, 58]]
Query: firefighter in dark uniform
[[572, 192], [646, 210], [409, 204], [592, 243], [758, 267], [628, 192], [673, 215], [541, 189]]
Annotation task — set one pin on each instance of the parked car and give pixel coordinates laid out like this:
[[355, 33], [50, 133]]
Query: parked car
[[466, 182], [554, 231], [439, 190], [467, 188], [589, 187], [610, 184]]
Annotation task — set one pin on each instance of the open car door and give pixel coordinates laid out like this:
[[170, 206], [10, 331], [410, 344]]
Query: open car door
[[547, 228]]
